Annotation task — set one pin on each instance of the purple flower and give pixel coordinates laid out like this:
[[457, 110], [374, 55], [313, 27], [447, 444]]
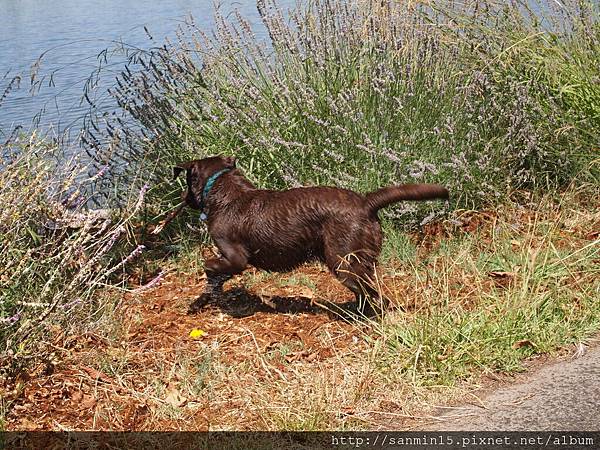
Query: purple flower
[[12, 319], [151, 283], [73, 303], [141, 196]]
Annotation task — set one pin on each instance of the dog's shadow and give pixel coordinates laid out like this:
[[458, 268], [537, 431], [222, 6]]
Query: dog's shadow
[[239, 303]]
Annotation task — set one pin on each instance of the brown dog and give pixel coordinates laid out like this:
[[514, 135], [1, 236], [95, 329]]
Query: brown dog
[[279, 230]]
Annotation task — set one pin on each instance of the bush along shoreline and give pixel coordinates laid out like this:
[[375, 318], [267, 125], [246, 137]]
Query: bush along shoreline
[[485, 100], [56, 253], [497, 101]]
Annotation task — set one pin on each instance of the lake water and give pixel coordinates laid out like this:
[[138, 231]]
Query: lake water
[[73, 33]]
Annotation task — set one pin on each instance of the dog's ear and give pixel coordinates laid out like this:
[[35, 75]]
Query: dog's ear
[[180, 168], [230, 161]]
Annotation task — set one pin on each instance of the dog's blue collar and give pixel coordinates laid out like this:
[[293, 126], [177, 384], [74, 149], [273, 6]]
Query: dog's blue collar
[[207, 187]]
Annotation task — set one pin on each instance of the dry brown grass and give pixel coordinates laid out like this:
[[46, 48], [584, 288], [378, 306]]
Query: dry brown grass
[[272, 359]]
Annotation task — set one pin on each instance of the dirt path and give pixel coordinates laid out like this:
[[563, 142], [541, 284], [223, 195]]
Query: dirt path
[[564, 395], [151, 375]]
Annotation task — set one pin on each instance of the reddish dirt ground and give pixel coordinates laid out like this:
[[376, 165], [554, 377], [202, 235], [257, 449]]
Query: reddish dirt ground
[[147, 373], [90, 382]]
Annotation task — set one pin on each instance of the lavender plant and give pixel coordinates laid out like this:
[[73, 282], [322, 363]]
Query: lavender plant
[[366, 93], [55, 253], [547, 54]]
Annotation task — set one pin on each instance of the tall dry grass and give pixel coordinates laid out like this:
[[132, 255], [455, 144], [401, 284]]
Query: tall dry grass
[[56, 253]]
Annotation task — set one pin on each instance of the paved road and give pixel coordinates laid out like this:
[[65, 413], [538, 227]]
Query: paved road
[[562, 396]]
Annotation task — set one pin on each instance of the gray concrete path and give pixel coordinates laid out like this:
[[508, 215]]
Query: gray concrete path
[[562, 396]]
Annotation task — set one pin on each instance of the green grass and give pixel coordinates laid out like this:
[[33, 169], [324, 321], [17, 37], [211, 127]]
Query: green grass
[[486, 301], [397, 246]]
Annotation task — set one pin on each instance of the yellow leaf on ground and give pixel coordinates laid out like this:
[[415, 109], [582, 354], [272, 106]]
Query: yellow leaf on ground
[[197, 333]]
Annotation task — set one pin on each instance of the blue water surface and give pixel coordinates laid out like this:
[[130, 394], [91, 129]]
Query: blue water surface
[[70, 34]]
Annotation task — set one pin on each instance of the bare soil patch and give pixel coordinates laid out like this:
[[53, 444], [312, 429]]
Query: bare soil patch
[[150, 374]]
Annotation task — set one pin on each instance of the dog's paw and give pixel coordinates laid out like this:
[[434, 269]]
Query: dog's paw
[[199, 303]]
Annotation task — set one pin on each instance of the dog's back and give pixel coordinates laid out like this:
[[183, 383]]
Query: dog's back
[[283, 229]]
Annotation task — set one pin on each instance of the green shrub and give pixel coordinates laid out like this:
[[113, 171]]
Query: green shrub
[[361, 94]]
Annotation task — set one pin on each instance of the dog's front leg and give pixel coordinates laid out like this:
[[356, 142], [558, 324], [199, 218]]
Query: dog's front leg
[[233, 260]]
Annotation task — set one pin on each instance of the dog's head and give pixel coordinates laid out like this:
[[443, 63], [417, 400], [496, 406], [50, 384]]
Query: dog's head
[[197, 173]]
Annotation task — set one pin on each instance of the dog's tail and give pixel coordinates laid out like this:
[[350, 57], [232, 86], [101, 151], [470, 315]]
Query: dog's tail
[[392, 194]]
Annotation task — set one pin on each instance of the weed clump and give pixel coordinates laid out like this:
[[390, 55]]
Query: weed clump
[[55, 253]]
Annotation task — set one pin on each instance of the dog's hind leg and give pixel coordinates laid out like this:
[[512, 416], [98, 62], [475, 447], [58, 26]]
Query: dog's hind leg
[[351, 250], [356, 272]]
